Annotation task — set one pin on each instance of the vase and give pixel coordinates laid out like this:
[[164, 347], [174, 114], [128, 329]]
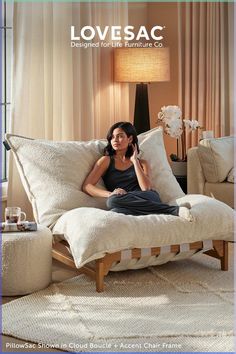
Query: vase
[[179, 168]]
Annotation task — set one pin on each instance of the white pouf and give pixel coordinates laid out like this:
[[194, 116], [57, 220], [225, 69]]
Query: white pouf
[[26, 261]]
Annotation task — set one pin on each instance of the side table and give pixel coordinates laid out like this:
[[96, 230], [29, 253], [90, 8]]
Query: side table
[[182, 180], [26, 261]]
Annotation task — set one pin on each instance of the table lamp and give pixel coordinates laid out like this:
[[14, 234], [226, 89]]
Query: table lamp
[[141, 65]]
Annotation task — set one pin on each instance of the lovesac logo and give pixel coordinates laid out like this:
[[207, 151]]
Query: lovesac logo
[[109, 34], [88, 33]]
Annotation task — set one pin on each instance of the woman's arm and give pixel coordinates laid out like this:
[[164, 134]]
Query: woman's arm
[[89, 185], [142, 170]]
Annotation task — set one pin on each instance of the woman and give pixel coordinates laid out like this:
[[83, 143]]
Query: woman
[[127, 178]]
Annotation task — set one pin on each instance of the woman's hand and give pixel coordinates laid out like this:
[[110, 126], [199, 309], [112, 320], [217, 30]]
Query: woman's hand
[[134, 157], [119, 191]]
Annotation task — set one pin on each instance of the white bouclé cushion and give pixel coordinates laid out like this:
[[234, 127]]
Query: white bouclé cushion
[[153, 150], [216, 157], [91, 233], [53, 172]]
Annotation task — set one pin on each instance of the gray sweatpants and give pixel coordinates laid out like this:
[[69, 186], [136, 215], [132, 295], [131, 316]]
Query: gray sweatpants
[[140, 203]]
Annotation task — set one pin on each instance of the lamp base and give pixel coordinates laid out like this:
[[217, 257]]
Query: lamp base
[[141, 110]]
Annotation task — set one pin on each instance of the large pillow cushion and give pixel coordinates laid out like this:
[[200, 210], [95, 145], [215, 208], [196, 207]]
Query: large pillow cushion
[[153, 150], [91, 233], [216, 157], [53, 172]]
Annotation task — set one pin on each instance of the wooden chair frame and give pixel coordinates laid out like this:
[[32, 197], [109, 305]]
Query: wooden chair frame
[[102, 266]]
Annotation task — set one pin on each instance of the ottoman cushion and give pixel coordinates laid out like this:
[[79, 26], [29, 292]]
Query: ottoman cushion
[[26, 261]]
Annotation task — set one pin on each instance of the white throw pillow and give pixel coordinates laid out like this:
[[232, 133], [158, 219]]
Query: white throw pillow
[[153, 150], [216, 157], [230, 177], [53, 172]]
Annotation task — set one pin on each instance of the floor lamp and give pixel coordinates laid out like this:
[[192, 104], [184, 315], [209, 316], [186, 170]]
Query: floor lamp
[[141, 65]]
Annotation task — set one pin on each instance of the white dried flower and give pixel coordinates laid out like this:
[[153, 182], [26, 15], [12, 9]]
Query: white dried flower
[[174, 128], [171, 112], [171, 117], [191, 124]]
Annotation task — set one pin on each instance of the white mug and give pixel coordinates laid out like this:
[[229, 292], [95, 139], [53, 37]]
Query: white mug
[[14, 215]]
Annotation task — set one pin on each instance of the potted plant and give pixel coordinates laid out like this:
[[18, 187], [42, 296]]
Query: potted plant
[[176, 127]]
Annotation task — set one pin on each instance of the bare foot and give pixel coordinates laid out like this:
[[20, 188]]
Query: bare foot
[[186, 205], [185, 213]]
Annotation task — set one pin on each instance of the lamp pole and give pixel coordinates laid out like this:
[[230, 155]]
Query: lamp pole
[[141, 109]]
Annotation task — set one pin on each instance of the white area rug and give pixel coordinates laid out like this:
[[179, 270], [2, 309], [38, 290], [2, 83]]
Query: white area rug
[[180, 306]]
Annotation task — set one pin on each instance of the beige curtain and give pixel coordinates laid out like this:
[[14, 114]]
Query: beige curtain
[[59, 92], [206, 66]]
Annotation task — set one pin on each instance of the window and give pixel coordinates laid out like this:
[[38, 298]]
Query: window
[[6, 67]]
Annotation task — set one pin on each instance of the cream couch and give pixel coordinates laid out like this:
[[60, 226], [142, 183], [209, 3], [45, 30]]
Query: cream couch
[[211, 167]]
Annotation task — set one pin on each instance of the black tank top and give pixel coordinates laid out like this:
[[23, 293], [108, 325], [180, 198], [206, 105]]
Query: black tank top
[[126, 179]]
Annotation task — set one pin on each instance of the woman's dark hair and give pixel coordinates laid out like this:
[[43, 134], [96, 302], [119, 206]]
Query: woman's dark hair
[[129, 130]]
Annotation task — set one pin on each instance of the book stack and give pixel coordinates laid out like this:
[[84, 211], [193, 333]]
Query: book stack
[[20, 227]]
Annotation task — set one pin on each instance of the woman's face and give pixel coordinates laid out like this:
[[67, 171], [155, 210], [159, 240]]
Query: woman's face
[[120, 140]]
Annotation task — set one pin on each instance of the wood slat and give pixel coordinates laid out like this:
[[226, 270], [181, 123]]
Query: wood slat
[[61, 253], [103, 265]]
